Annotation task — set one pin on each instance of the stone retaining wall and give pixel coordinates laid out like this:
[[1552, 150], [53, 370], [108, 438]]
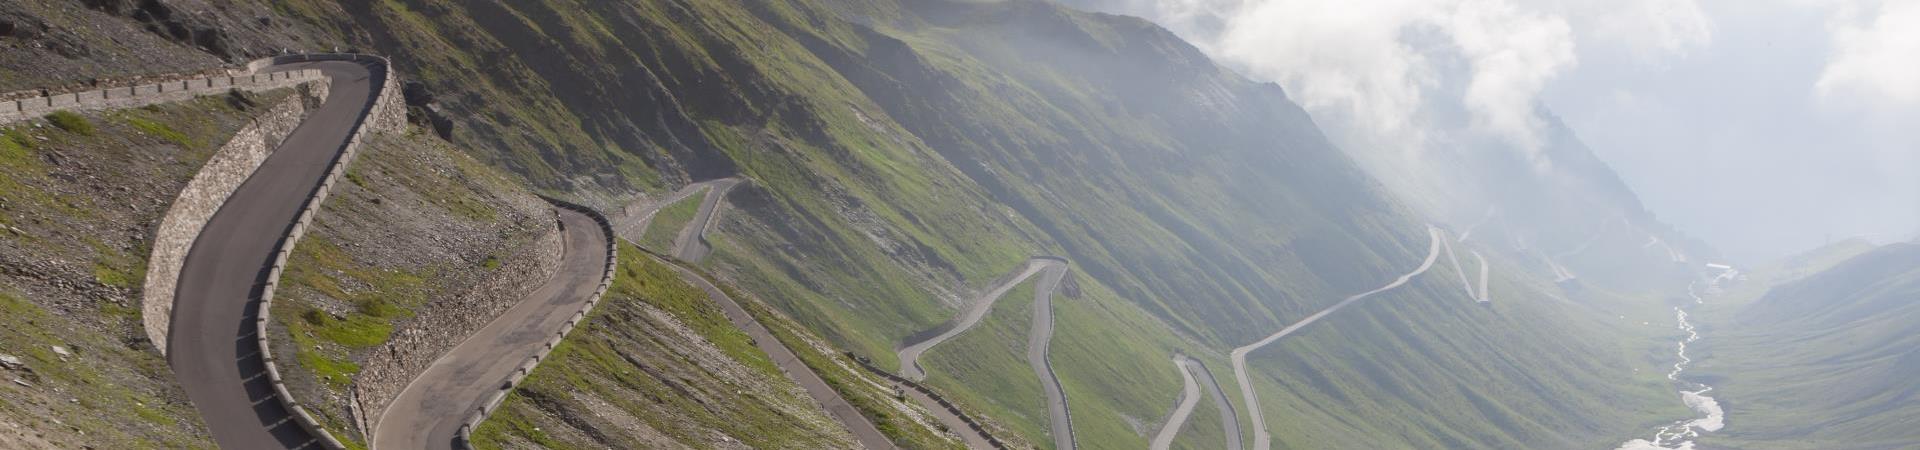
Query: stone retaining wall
[[218, 179], [147, 94], [446, 322], [464, 437]]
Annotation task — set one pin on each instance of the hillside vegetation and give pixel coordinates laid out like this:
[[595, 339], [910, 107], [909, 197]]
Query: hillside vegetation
[[77, 217], [904, 153], [1826, 361]]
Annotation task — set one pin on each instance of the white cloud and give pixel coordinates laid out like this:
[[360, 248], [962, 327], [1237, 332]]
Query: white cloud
[[1375, 67], [1513, 55], [1876, 59], [1647, 30]]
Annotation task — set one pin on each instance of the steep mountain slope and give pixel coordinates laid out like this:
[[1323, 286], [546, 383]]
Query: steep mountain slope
[[903, 153], [1826, 361], [79, 203]]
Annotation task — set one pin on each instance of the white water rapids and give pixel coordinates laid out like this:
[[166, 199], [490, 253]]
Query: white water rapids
[[1680, 435]]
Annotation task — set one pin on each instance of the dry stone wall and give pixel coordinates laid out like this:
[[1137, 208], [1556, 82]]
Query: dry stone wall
[[444, 323], [464, 438], [218, 179], [152, 93]]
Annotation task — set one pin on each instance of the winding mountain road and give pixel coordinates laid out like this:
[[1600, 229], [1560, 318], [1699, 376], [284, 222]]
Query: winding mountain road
[[1189, 396], [1479, 296], [1039, 337], [691, 244], [1190, 370], [1039, 342], [1261, 440], [429, 411], [910, 352], [1229, 421], [1491, 211], [212, 348]]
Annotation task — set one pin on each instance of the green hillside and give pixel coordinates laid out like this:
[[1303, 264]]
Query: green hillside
[[904, 153], [1826, 361]]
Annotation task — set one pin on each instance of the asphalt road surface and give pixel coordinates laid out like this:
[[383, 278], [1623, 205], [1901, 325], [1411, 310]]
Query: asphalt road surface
[[427, 414], [910, 352], [691, 244], [822, 393], [1229, 422], [1189, 396], [1485, 271], [632, 227], [212, 347], [1039, 340], [1261, 440]]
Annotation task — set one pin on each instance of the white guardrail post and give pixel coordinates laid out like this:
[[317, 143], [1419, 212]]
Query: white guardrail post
[[298, 229]]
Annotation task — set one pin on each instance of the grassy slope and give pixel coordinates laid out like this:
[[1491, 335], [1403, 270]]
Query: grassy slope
[[417, 221], [632, 354], [667, 223], [902, 155], [76, 212], [1825, 361]]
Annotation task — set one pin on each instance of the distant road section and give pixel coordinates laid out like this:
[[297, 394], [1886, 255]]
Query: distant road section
[[1191, 370], [691, 244], [1261, 440], [910, 352], [1039, 340], [1039, 337], [1229, 421], [1189, 396], [212, 347], [429, 411]]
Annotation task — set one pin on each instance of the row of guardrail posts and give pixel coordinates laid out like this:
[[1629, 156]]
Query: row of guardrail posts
[[464, 437], [955, 409], [112, 97], [335, 171]]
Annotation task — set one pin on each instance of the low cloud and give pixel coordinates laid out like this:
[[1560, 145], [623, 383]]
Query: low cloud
[[1877, 57], [1381, 69]]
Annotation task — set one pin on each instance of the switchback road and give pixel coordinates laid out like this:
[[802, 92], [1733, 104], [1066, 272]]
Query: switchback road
[[1261, 440], [212, 347], [429, 411]]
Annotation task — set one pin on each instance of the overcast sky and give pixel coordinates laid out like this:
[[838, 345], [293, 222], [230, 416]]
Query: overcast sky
[[1762, 126]]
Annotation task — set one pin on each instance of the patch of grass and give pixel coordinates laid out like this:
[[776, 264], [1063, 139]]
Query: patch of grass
[[667, 223], [624, 356], [72, 122], [336, 372], [14, 147], [492, 262], [640, 276], [112, 276], [160, 130]]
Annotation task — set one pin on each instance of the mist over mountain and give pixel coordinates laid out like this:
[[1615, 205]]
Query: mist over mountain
[[888, 224]]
